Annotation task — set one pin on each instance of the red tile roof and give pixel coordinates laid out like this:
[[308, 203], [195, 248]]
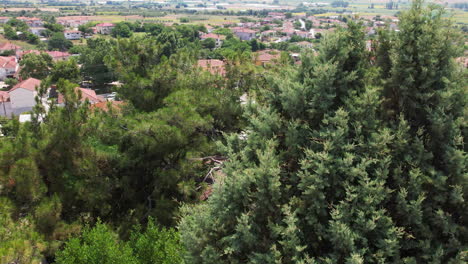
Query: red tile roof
[[213, 36], [85, 94], [105, 25], [213, 66], [8, 62], [104, 105], [27, 18], [58, 54], [9, 46], [22, 53], [245, 30], [28, 84]]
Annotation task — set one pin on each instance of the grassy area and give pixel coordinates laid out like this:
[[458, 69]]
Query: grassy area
[[22, 44]]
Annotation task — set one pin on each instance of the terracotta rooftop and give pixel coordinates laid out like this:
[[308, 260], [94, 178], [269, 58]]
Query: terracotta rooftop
[[8, 62], [213, 66], [85, 94], [9, 46], [58, 54], [213, 36], [105, 25], [28, 84]]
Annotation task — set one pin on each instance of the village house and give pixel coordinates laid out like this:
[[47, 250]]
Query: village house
[[8, 46], [304, 44], [86, 94], [37, 30], [32, 21], [20, 54], [3, 20], [209, 28], [266, 57], [304, 34], [277, 15], [22, 95], [105, 28], [73, 21], [218, 38], [8, 67], [213, 66], [72, 34], [59, 55], [244, 33]]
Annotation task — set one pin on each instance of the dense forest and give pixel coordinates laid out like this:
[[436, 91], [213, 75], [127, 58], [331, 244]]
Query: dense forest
[[354, 156]]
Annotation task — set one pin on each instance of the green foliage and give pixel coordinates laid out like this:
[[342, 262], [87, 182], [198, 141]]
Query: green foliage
[[86, 28], [101, 245], [209, 43], [58, 42], [19, 242], [67, 69], [9, 32], [328, 170], [92, 59], [54, 27], [156, 245], [36, 65], [121, 30], [96, 245]]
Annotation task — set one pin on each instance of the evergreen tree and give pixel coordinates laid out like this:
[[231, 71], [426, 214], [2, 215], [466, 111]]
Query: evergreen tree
[[321, 177]]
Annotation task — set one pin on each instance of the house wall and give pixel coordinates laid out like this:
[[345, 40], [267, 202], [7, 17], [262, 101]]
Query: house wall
[[6, 72], [5, 109], [22, 99], [3, 74], [72, 35], [105, 30], [245, 35]]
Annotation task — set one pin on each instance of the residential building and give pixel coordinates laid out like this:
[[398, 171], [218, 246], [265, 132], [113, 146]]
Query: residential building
[[86, 94], [20, 54], [105, 28], [73, 21], [6, 46], [304, 34], [32, 21], [8, 67], [304, 44], [37, 30], [218, 38], [245, 33], [266, 57], [59, 55], [22, 95], [3, 20], [213, 66], [72, 34]]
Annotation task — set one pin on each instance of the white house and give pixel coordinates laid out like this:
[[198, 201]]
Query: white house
[[37, 30], [105, 28], [22, 95], [218, 38], [32, 21], [245, 33], [3, 20], [72, 34], [8, 67]]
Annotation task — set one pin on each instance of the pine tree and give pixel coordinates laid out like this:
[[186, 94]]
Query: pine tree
[[428, 97], [329, 173]]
